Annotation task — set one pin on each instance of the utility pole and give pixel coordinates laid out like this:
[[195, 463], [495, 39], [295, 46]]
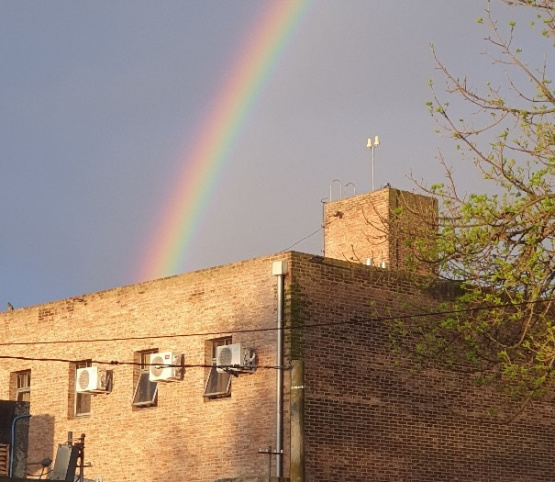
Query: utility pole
[[297, 421]]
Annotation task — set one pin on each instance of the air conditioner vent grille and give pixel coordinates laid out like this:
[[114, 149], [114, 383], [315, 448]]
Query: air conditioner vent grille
[[226, 356], [156, 365], [84, 379]]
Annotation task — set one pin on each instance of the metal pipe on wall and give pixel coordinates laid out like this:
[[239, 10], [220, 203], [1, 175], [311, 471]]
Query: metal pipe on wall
[[279, 270]]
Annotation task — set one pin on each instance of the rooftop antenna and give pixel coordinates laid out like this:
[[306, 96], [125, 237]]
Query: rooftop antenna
[[372, 145]]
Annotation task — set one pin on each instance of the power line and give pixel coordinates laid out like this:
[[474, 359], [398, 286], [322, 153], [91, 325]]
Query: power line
[[301, 240], [287, 328], [126, 363]]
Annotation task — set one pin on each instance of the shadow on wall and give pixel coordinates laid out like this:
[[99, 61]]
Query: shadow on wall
[[255, 479], [41, 441], [14, 430]]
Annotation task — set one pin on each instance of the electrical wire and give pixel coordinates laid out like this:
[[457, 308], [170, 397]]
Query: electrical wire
[[142, 365], [290, 328], [301, 240], [252, 330], [273, 328]]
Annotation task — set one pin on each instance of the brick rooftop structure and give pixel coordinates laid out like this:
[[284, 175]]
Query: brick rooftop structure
[[359, 413]]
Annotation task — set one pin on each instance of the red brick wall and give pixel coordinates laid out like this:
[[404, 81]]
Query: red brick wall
[[370, 416], [185, 437], [377, 225]]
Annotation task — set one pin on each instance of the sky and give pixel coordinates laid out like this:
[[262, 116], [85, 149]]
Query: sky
[[101, 102]]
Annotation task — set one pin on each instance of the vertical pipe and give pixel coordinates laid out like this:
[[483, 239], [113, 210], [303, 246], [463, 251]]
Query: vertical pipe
[[324, 226], [372, 149], [279, 380], [279, 269]]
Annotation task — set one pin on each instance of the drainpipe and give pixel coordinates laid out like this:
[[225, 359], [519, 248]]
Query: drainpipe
[[12, 446], [279, 270]]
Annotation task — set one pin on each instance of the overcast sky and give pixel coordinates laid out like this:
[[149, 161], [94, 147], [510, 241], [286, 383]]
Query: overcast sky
[[99, 101]]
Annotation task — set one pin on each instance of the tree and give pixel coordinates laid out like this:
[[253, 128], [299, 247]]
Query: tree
[[497, 246]]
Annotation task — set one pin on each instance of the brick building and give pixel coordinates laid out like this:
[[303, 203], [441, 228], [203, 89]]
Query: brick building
[[358, 414]]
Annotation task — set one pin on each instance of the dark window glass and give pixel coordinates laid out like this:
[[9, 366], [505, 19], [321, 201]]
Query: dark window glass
[[218, 384], [146, 392], [82, 400]]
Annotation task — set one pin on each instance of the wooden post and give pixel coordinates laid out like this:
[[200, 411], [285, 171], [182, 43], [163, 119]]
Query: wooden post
[[297, 421]]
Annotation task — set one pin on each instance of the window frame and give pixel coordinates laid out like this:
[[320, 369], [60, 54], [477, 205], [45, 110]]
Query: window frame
[[81, 399], [23, 386], [218, 385], [141, 377]]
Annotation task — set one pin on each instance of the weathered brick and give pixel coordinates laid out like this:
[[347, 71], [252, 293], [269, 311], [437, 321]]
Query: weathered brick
[[368, 416]]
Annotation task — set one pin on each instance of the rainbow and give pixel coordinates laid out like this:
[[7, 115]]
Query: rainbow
[[218, 134]]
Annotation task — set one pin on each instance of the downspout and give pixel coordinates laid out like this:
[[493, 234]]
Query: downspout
[[279, 270], [12, 446]]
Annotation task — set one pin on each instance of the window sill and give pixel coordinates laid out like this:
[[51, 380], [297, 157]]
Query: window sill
[[138, 408]]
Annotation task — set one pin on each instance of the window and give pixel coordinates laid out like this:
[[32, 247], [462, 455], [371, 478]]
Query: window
[[23, 386], [218, 384], [146, 392], [82, 400]]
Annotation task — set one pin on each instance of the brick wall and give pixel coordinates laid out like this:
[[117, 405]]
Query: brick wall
[[377, 226], [184, 437], [370, 416]]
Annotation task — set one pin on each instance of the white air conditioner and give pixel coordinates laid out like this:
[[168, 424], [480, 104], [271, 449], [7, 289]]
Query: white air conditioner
[[160, 371], [91, 380], [235, 358]]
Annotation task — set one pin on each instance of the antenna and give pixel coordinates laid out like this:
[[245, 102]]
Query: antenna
[[372, 145]]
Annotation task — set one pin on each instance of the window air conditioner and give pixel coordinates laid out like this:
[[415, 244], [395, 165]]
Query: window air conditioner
[[235, 358], [91, 380], [159, 370]]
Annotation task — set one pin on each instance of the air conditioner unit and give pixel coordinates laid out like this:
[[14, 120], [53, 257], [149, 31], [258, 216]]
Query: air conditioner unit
[[91, 380], [160, 371], [235, 358]]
